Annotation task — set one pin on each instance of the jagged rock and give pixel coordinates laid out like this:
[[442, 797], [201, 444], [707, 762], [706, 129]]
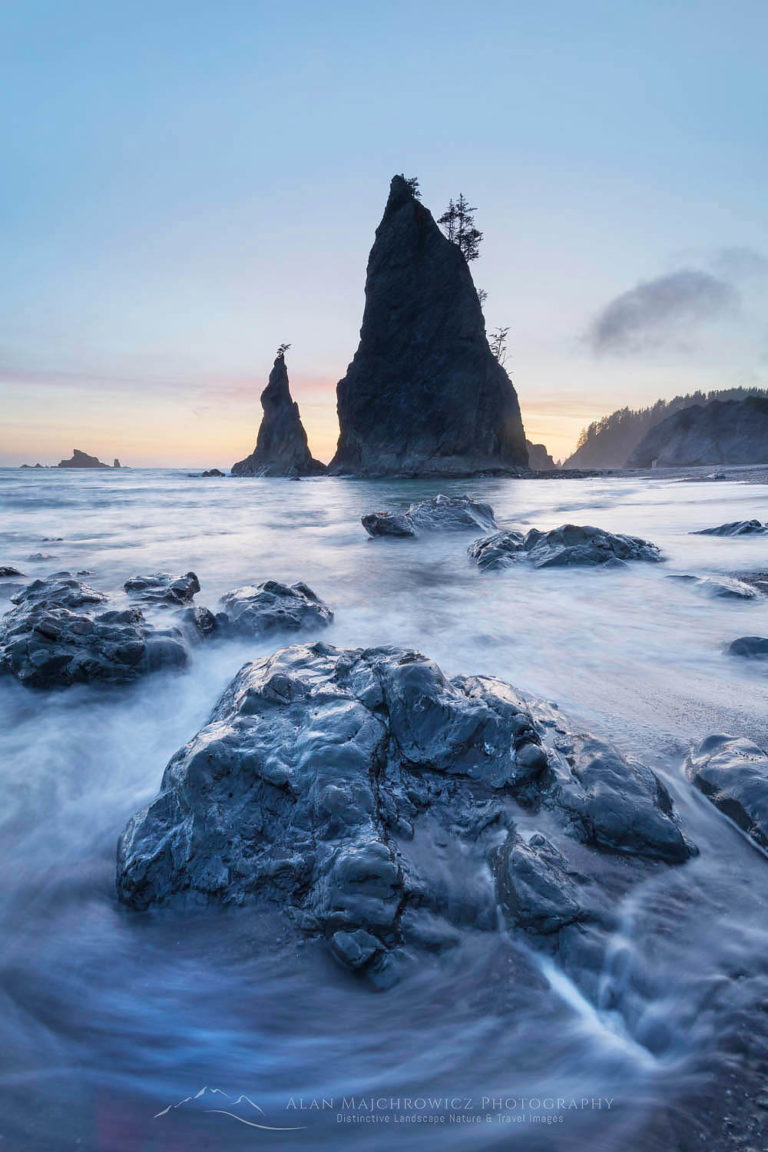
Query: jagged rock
[[438, 514], [535, 889], [752, 647], [54, 637], [258, 609], [498, 550], [735, 528], [162, 588], [720, 432], [732, 772], [538, 458], [7, 571], [212, 472], [200, 623], [720, 587], [571, 544], [80, 459], [281, 447], [367, 794], [424, 394]]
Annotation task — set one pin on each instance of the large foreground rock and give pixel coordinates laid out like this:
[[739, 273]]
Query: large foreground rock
[[374, 799], [59, 633], [424, 394], [569, 545], [720, 432], [732, 772], [735, 528], [438, 514], [281, 447]]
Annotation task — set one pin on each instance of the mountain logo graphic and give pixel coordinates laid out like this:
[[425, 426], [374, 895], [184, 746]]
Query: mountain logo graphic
[[240, 1108]]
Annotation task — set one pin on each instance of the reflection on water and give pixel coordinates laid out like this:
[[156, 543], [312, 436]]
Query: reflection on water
[[109, 1017]]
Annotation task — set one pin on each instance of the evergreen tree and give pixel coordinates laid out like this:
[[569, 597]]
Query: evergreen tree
[[458, 223], [498, 344]]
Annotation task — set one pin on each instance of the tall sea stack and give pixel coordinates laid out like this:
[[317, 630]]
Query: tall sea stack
[[424, 394], [281, 447]]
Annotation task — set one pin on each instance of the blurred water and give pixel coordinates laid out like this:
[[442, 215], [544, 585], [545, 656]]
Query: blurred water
[[107, 1017]]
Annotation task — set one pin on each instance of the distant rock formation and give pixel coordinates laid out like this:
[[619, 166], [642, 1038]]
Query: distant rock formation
[[81, 460], [281, 447], [721, 432], [424, 394], [117, 463], [538, 458]]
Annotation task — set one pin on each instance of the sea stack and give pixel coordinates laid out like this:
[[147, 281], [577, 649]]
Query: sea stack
[[80, 459], [281, 447], [424, 394]]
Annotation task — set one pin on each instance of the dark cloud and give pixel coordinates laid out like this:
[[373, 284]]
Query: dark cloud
[[659, 311], [740, 264]]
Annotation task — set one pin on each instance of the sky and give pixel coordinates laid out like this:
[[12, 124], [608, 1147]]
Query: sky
[[187, 184]]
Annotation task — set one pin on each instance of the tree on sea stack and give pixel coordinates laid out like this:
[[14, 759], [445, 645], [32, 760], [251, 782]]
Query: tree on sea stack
[[424, 394], [281, 447], [458, 223]]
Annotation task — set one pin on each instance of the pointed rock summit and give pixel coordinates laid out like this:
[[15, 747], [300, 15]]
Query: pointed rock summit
[[281, 447], [424, 394]]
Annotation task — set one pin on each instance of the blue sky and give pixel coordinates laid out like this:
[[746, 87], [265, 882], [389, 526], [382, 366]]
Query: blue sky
[[187, 185]]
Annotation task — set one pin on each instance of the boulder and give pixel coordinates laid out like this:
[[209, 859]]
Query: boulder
[[424, 394], [569, 545], [375, 800], [80, 459], [259, 609], [57, 635], [719, 587], [735, 528], [162, 588], [732, 772], [7, 571], [281, 447], [752, 647], [438, 514]]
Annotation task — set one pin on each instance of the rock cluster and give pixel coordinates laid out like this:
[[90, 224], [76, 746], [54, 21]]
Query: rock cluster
[[733, 773], [438, 514], [59, 633], [569, 545], [424, 394], [281, 447], [377, 801]]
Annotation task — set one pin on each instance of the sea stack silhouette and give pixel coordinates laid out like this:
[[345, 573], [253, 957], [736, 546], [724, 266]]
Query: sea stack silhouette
[[424, 394], [80, 459], [281, 447]]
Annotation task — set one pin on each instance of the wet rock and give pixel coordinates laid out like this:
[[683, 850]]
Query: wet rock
[[162, 588], [732, 772], [370, 796], [535, 889], [751, 647], [438, 514], [7, 572], [212, 472], [498, 550], [735, 528], [39, 557], [258, 609], [55, 637], [720, 587], [200, 623], [281, 446], [567, 546], [424, 394]]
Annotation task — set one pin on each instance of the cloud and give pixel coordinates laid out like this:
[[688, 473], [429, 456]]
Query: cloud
[[662, 311], [739, 263]]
